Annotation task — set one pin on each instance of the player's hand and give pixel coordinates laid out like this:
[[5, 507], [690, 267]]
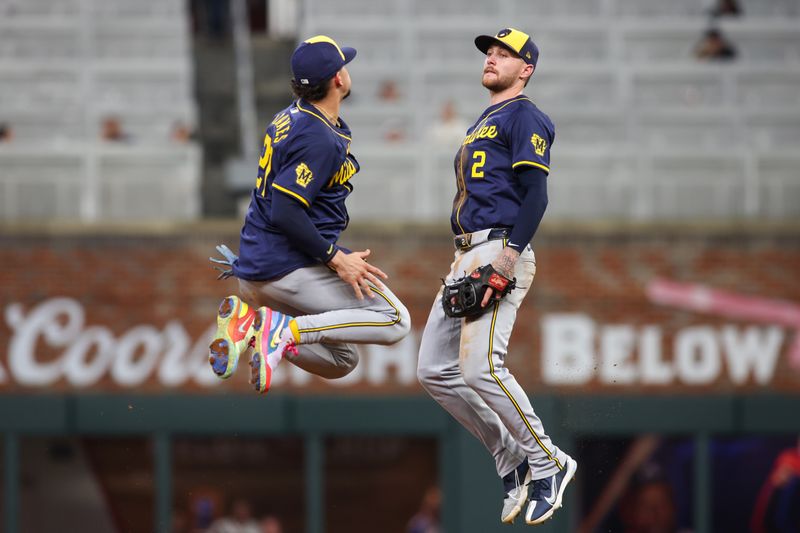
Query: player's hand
[[225, 266], [504, 264], [355, 271], [487, 296]]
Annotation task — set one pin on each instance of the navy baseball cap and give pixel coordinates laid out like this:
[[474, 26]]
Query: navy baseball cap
[[317, 59], [517, 41]]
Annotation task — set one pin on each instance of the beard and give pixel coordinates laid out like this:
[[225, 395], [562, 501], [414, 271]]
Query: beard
[[497, 83], [346, 95]]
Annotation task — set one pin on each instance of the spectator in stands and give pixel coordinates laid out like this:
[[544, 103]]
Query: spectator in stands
[[426, 519], [714, 47], [777, 508], [271, 524], [181, 133], [203, 508], [393, 131], [6, 132], [111, 130], [388, 91], [451, 128], [648, 505], [726, 8], [240, 521]]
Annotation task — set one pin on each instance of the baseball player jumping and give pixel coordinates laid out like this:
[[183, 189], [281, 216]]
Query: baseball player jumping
[[501, 171], [303, 296]]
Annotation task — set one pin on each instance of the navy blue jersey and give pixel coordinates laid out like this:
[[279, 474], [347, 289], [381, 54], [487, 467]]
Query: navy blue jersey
[[308, 158], [507, 136]]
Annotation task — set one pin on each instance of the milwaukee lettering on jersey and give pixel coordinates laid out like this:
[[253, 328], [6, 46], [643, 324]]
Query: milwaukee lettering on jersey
[[486, 132], [343, 175]]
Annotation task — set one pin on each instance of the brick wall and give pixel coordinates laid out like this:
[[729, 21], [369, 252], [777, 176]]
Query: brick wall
[[148, 285]]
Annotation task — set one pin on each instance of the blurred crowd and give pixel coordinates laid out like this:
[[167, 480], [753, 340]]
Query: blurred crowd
[[112, 129], [201, 518]]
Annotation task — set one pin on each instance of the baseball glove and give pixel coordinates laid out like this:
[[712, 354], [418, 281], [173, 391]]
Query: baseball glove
[[463, 297], [225, 266]]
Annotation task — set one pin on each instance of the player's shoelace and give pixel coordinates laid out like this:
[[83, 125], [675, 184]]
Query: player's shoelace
[[513, 480], [290, 350]]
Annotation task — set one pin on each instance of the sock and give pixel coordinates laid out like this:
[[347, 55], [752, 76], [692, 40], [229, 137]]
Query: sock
[[288, 336], [292, 332]]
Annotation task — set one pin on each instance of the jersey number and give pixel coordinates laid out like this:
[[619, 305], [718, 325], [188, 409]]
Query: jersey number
[[265, 165], [477, 167]]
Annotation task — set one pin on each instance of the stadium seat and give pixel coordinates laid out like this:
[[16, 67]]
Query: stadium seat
[[67, 64]]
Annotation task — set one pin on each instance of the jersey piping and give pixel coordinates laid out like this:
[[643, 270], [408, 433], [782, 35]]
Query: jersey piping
[[291, 193], [324, 121], [549, 454], [360, 324], [533, 164]]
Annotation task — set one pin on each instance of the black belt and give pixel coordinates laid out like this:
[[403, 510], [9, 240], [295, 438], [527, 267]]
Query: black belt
[[466, 241]]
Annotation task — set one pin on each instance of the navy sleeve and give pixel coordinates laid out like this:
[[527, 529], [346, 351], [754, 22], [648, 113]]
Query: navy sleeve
[[534, 203], [307, 168], [293, 220], [532, 133]]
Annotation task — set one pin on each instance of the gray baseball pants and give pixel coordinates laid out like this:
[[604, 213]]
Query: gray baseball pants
[[462, 366], [329, 317]]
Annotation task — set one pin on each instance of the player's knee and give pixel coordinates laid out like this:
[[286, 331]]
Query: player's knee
[[404, 325], [401, 326], [427, 376]]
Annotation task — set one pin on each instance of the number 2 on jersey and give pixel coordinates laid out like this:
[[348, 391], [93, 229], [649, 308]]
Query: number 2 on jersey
[[477, 167], [265, 165]]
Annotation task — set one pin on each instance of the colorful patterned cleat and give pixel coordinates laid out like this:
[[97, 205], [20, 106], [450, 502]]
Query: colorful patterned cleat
[[269, 346], [234, 332]]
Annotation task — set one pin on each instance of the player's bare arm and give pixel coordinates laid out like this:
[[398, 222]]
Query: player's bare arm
[[505, 264], [354, 270]]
